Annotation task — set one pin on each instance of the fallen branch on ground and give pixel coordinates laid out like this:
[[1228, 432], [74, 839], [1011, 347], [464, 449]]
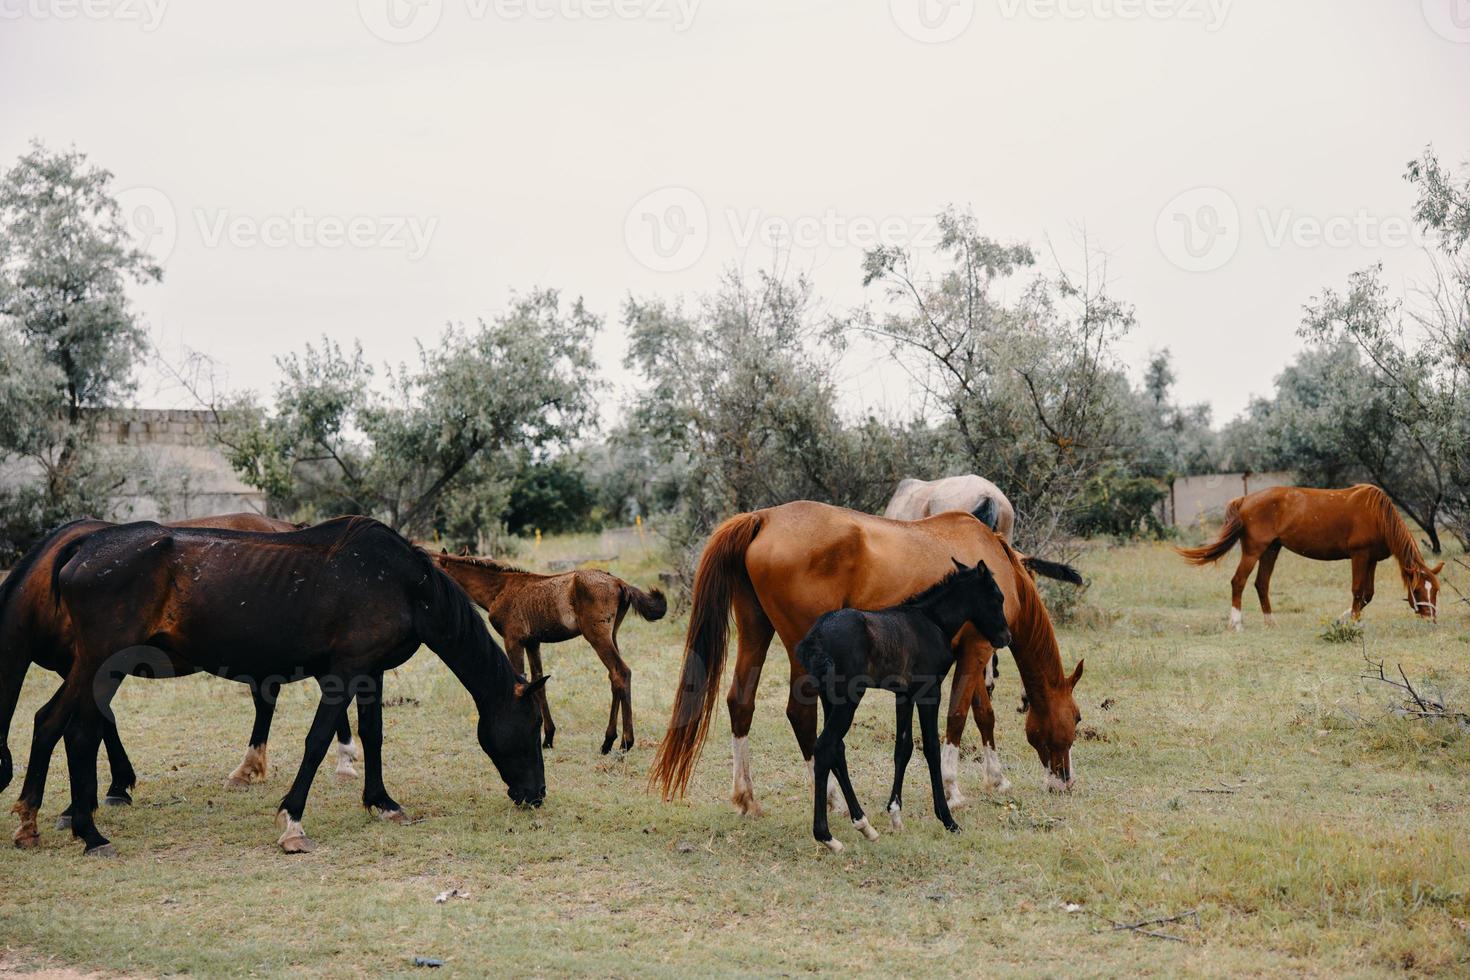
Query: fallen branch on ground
[[1415, 705], [1141, 927]]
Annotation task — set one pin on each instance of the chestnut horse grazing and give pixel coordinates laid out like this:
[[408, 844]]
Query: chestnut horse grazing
[[528, 610], [1358, 523], [343, 601], [906, 649], [778, 570], [34, 629]]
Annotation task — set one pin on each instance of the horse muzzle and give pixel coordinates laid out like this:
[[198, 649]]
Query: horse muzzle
[[527, 798]]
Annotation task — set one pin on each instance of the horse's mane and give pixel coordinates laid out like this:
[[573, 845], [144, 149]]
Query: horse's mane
[[1396, 533], [923, 596], [1030, 623], [493, 564]]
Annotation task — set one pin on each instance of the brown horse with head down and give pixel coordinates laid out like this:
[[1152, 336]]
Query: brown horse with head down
[[1359, 523], [778, 570]]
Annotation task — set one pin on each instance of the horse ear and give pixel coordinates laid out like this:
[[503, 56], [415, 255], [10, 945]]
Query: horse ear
[[523, 689], [1437, 569], [443, 551], [1076, 674], [959, 565]]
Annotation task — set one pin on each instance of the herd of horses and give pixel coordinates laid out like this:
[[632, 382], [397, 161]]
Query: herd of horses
[[858, 601]]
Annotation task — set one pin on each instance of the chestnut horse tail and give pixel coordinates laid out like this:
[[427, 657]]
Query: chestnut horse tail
[[1230, 533], [650, 605], [721, 570]]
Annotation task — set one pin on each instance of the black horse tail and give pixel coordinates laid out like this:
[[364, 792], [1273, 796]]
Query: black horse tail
[[1052, 569], [651, 605], [67, 552], [988, 513]]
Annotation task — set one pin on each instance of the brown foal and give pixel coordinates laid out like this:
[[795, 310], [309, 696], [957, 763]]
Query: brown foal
[[528, 609]]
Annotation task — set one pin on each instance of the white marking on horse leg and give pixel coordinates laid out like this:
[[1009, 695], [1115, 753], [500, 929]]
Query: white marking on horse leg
[[865, 828], [1270, 620], [1235, 621], [351, 746], [346, 754], [742, 793], [895, 815], [293, 840], [949, 771], [251, 769], [995, 777], [991, 673], [834, 845]]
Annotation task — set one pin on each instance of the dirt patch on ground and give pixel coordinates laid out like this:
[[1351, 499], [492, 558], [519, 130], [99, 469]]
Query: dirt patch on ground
[[34, 966]]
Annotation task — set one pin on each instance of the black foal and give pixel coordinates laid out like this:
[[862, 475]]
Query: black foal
[[905, 649]]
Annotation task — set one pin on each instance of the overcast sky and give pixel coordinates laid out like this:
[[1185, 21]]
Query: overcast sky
[[375, 169]]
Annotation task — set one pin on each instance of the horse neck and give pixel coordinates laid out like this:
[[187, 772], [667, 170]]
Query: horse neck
[[1400, 542], [464, 643], [946, 611], [1034, 644], [487, 580]]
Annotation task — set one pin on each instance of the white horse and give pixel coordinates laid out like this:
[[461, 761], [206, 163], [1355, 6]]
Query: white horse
[[915, 500]]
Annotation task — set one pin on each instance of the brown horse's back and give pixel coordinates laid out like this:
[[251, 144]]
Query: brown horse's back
[[1327, 525], [812, 558]]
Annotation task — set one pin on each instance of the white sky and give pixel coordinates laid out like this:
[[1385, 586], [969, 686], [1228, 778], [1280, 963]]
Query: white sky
[[520, 140]]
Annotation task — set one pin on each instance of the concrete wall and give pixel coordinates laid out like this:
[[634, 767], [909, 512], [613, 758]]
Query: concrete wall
[[1202, 498]]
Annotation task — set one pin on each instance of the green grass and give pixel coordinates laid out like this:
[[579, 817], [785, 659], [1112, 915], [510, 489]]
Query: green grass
[[1340, 850]]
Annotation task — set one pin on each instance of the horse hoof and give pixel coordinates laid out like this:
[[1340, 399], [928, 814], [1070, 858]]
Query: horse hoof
[[956, 802], [234, 781], [865, 828], [26, 839], [547, 743], [834, 845], [63, 822], [393, 816], [297, 844], [117, 799], [952, 827], [607, 744], [101, 851]]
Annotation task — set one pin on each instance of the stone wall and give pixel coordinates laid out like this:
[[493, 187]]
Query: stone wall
[[1201, 499]]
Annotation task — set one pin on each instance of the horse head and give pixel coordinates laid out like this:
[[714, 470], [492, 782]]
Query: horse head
[[1423, 583], [1051, 728], [511, 737]]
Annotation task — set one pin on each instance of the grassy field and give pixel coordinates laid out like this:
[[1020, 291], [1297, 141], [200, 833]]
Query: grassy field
[[1253, 778]]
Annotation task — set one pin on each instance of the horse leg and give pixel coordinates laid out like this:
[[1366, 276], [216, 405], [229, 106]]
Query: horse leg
[[620, 680], [50, 723], [1248, 558], [1263, 581], [995, 780], [838, 718], [796, 700], [118, 764], [1364, 571], [903, 750], [83, 736], [253, 767], [754, 632], [854, 809], [293, 839], [929, 731], [969, 673], [533, 654], [370, 727], [12, 676]]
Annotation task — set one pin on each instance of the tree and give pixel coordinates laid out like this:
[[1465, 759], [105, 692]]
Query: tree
[[1030, 386], [423, 445], [69, 337]]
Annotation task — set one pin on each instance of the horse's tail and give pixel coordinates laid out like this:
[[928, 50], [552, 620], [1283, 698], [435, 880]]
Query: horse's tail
[[1230, 533], [1052, 569], [651, 605], [63, 555], [988, 513], [721, 569]]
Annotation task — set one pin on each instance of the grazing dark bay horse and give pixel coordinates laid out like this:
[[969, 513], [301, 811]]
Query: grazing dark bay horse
[[906, 649], [778, 570], [1359, 523], [915, 500], [343, 601], [35, 629], [528, 609]]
